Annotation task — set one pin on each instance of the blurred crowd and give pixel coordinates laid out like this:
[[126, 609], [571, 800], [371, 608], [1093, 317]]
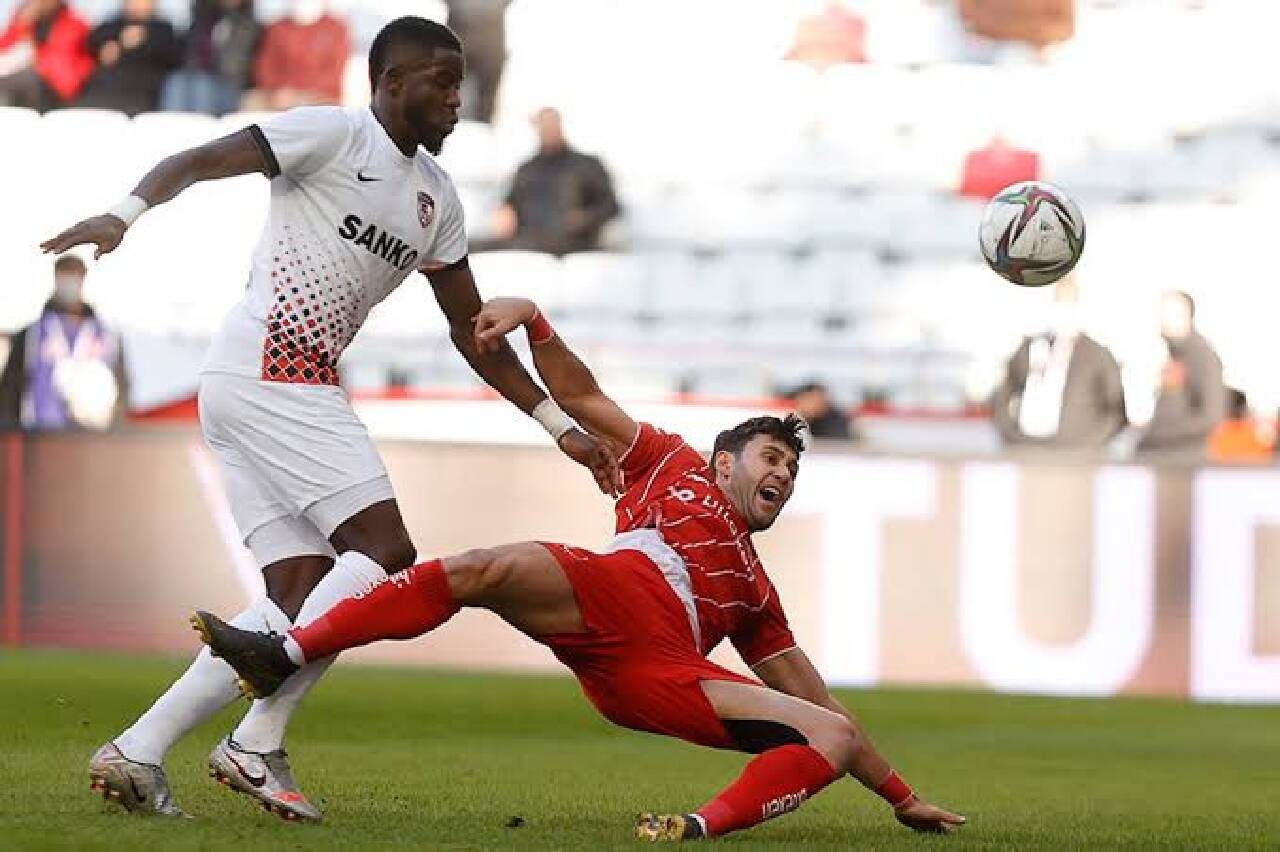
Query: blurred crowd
[[135, 61], [1062, 389]]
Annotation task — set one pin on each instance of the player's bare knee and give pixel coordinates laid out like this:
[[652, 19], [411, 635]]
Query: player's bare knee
[[393, 552], [838, 741], [397, 555]]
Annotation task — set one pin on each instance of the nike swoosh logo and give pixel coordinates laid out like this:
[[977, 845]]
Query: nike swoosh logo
[[360, 176], [256, 781]]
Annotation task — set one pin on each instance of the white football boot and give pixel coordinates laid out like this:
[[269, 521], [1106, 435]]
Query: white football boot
[[265, 777], [140, 788]]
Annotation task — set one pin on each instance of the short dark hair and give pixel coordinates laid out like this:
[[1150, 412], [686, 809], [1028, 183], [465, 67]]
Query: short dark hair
[[785, 429], [69, 263], [410, 29]]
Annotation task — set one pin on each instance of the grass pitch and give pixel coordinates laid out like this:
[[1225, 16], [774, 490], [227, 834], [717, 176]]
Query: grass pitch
[[435, 761]]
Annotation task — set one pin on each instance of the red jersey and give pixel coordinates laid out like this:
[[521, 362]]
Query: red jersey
[[669, 489]]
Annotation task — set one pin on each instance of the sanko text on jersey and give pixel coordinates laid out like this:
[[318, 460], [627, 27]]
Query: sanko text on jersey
[[384, 244]]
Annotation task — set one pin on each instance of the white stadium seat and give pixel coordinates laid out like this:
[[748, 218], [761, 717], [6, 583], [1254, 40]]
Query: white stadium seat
[[472, 154], [763, 200], [600, 284], [530, 274], [158, 134]]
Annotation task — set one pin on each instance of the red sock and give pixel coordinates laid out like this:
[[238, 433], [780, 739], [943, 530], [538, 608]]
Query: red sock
[[404, 605], [773, 783]]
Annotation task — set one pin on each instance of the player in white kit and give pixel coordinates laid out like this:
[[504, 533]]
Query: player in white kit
[[356, 207]]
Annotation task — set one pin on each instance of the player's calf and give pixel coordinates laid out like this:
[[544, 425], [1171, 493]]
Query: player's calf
[[477, 575]]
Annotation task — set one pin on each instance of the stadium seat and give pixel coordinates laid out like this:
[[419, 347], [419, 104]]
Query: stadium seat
[[519, 273], [410, 313], [479, 201], [92, 137], [1097, 175], [661, 219], [693, 298], [854, 279], [20, 128], [600, 285], [847, 220], [866, 100], [725, 219], [472, 155], [75, 126], [931, 225], [156, 135]]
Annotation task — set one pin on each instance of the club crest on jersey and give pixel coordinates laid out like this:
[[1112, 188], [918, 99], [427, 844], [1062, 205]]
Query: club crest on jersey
[[426, 209]]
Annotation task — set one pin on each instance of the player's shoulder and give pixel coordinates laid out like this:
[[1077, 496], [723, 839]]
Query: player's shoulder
[[659, 446], [431, 170], [320, 114]]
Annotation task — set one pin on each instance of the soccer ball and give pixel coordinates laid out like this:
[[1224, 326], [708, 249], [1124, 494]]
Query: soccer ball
[[1032, 233]]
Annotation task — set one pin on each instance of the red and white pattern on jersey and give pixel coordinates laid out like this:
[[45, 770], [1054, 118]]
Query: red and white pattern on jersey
[[314, 314], [669, 489]]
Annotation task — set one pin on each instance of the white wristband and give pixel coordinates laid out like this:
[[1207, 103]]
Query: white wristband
[[552, 418], [129, 210]]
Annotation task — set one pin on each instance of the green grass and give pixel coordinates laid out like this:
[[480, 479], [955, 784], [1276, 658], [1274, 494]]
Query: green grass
[[429, 760]]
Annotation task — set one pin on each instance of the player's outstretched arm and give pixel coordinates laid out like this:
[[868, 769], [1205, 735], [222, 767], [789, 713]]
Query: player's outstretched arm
[[240, 153], [570, 383], [793, 673], [496, 363]]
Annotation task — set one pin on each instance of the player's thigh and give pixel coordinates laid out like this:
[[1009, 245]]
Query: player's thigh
[[305, 443], [522, 583], [751, 709], [262, 521], [289, 550]]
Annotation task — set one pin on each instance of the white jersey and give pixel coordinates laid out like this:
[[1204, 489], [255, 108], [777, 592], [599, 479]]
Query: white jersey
[[351, 217]]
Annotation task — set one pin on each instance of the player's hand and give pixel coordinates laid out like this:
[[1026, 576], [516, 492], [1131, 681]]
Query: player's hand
[[498, 318], [919, 815], [595, 455], [105, 232]]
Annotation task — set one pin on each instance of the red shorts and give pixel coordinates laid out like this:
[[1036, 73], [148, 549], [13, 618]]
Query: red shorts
[[636, 660]]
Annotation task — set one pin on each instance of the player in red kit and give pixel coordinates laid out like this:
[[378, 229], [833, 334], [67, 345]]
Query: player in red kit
[[635, 620]]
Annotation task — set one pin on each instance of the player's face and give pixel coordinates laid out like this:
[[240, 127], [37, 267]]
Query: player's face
[[430, 96], [760, 480]]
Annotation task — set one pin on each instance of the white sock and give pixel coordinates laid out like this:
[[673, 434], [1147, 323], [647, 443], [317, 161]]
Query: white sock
[[262, 729], [294, 650], [205, 687]]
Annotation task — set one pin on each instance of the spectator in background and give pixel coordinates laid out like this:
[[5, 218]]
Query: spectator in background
[[218, 59], [989, 170], [43, 61], [301, 60], [1237, 439], [482, 28], [559, 201], [65, 370], [1192, 399], [1061, 388], [136, 50], [813, 402], [1037, 22], [831, 37]]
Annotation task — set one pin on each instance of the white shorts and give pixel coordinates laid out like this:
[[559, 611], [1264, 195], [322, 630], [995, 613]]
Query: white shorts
[[296, 461]]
